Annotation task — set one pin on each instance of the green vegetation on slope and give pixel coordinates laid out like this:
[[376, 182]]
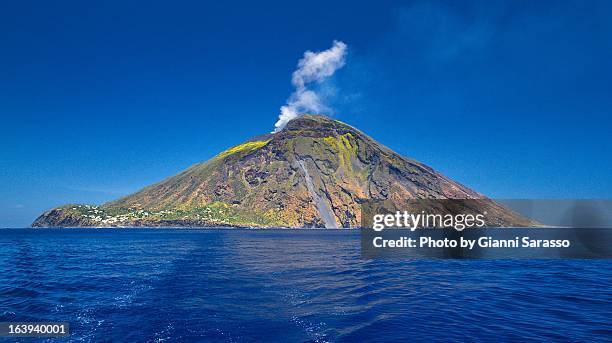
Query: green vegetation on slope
[[242, 149], [216, 213]]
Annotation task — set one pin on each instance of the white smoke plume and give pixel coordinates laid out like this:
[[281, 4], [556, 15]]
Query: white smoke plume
[[313, 67]]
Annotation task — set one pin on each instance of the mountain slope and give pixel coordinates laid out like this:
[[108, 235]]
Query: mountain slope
[[315, 172]]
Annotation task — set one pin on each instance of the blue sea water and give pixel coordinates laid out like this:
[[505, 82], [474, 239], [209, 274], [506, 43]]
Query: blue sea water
[[158, 285]]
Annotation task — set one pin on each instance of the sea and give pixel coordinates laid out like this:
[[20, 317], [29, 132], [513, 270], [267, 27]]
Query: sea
[[247, 285]]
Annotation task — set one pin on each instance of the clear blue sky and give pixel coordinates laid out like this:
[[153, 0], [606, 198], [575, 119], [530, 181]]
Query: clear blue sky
[[97, 100]]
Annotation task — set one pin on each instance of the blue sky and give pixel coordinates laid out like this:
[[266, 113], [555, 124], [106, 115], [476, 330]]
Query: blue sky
[[512, 99]]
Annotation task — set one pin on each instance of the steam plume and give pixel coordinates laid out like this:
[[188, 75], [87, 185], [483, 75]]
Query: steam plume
[[313, 67]]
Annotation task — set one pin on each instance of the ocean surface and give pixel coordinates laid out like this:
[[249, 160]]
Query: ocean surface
[[155, 285]]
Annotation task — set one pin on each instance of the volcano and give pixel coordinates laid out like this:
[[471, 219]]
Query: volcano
[[315, 172]]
